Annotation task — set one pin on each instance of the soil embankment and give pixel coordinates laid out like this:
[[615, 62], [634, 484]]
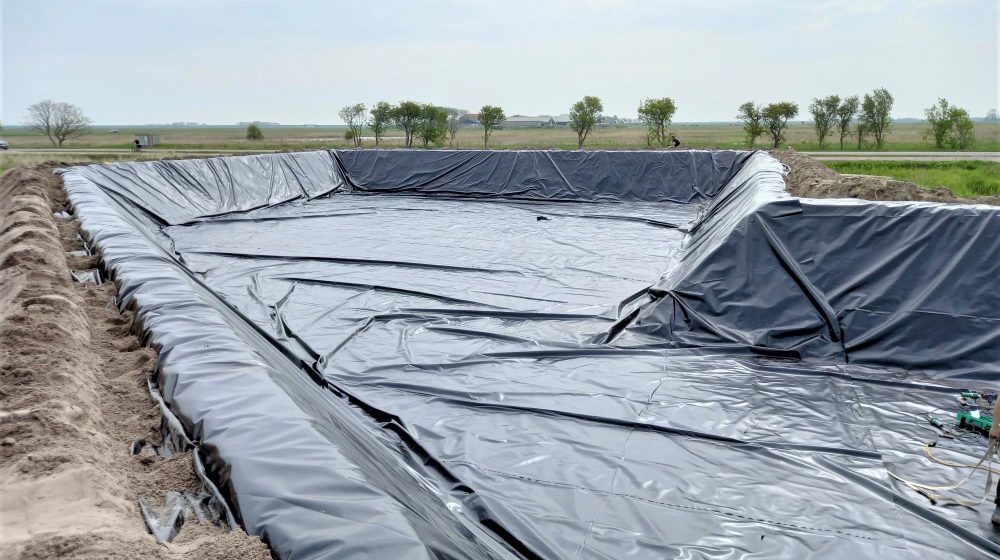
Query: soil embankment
[[72, 399], [809, 178]]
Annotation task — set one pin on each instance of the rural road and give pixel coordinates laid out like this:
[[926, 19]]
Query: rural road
[[825, 156], [904, 156]]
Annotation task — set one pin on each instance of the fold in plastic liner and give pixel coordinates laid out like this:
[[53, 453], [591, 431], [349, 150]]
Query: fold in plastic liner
[[540, 354]]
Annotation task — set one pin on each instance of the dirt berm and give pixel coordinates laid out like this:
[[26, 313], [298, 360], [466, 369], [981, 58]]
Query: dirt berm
[[809, 178], [73, 397]]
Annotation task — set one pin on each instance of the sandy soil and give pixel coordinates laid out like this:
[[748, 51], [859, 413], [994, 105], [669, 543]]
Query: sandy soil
[[809, 178], [72, 399]]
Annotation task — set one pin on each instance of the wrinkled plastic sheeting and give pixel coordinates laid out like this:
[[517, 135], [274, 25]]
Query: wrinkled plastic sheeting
[[178, 191], [647, 176], [897, 284], [430, 377], [300, 468]]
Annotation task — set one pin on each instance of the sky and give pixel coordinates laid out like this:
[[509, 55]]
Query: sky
[[300, 61]]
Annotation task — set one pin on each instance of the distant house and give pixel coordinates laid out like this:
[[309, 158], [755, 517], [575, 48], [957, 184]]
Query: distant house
[[469, 119], [561, 120], [520, 121]]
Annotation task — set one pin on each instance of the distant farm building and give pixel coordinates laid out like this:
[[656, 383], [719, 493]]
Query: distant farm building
[[519, 121]]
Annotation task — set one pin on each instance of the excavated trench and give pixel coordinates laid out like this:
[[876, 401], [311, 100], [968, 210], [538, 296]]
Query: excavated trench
[[429, 354]]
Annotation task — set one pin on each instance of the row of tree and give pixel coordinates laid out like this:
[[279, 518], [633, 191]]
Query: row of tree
[[423, 122], [431, 124], [949, 125], [870, 116]]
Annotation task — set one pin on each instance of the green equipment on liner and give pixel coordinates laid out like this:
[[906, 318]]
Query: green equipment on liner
[[978, 422]]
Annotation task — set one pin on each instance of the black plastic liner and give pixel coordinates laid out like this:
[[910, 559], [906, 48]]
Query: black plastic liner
[[568, 368], [678, 176], [907, 285]]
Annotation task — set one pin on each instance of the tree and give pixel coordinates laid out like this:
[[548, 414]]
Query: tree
[[963, 135], [406, 116], [752, 118], [491, 117], [824, 114], [775, 118], [381, 117], [657, 114], [991, 116], [455, 117], [583, 115], [949, 124], [254, 132], [354, 117], [939, 119], [59, 121], [875, 116], [845, 114], [432, 126]]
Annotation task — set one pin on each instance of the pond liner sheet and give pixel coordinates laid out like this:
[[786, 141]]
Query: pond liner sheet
[[531, 354]]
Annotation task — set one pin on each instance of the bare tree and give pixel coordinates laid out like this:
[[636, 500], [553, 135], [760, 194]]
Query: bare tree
[[354, 117], [455, 117], [491, 117], [845, 114], [751, 115], [824, 114], [59, 121], [583, 115]]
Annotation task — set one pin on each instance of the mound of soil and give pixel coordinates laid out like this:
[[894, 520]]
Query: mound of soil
[[809, 178], [74, 397]]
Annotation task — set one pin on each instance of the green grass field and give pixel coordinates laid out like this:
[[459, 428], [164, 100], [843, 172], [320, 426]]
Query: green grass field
[[964, 178], [903, 137]]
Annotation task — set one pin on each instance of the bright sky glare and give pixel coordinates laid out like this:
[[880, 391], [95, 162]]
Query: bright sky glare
[[295, 62]]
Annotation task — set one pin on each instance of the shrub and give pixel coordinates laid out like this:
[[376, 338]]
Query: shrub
[[254, 132]]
